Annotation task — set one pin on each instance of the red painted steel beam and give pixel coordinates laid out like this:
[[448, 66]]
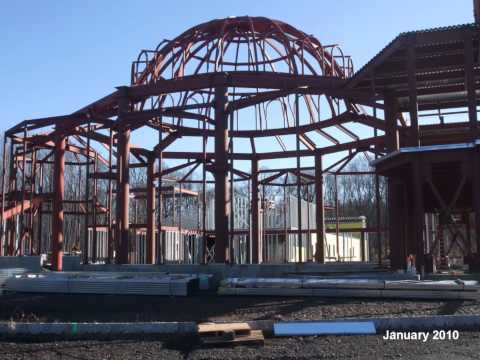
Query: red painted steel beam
[[150, 238], [255, 228], [57, 205], [242, 79], [392, 140], [123, 172], [222, 200], [320, 211], [27, 204]]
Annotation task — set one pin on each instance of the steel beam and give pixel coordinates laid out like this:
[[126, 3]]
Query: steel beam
[[123, 171], [150, 239], [255, 227], [395, 225], [320, 211], [57, 204], [391, 133], [476, 193], [222, 200], [412, 90], [470, 84], [418, 213]]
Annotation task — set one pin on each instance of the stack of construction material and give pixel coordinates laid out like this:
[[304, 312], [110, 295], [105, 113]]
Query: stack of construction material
[[361, 288], [104, 283], [7, 273], [229, 334]]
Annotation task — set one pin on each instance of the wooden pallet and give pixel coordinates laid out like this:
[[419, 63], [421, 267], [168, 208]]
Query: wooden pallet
[[229, 334]]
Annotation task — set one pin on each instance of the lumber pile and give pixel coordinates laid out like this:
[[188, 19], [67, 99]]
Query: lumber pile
[[356, 288], [212, 334]]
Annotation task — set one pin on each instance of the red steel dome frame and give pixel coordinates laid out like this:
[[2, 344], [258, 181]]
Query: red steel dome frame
[[219, 80]]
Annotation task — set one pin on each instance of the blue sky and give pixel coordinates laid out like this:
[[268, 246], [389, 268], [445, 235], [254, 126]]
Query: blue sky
[[57, 56]]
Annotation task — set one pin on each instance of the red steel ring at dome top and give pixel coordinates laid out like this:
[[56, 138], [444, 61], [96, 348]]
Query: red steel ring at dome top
[[216, 46]]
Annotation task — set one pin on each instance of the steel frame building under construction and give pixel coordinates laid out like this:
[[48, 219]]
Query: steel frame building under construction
[[239, 93]]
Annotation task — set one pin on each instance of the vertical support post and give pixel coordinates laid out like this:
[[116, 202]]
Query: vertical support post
[[377, 205], [476, 11], [40, 212], [391, 122], [337, 215], [466, 217], [298, 178], [86, 245], [472, 114], [4, 165], [123, 173], [309, 235], [150, 212], [362, 246], [255, 238], [21, 243], [414, 138], [419, 215], [285, 214], [470, 84], [476, 193], [395, 205], [377, 183], [110, 200], [203, 259], [160, 257], [57, 206], [33, 179], [94, 213], [263, 238], [12, 185], [320, 211], [222, 205], [232, 200]]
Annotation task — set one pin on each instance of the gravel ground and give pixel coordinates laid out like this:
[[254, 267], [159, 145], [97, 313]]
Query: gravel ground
[[102, 308], [33, 307], [330, 347]]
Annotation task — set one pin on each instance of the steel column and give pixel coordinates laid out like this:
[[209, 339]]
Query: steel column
[[320, 211], [470, 84], [57, 205], [4, 165], [395, 225], [418, 213], [123, 173], [86, 247], [110, 200], [414, 138], [150, 239], [222, 201], [255, 229], [476, 193], [391, 132]]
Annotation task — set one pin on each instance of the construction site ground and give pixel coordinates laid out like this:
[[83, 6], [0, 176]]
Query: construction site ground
[[199, 308], [327, 347], [114, 308], [91, 308]]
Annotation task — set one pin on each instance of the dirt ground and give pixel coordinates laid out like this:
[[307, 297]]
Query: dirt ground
[[329, 347], [33, 307], [102, 308]]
